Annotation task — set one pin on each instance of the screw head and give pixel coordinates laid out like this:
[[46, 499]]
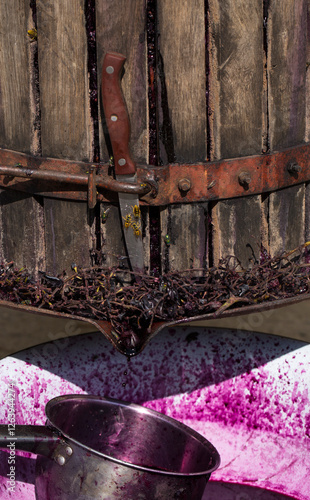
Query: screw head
[[109, 70], [121, 162], [184, 185]]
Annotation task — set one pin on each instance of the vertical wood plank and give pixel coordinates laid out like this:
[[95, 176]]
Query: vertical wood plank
[[114, 32], [183, 130], [307, 212], [236, 115], [287, 57], [112, 236], [15, 122], [307, 135], [66, 125], [186, 227], [21, 216]]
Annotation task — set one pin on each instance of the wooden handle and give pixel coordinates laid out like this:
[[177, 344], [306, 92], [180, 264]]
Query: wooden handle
[[116, 112]]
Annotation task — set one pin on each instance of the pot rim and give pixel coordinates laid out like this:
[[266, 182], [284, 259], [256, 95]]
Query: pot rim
[[141, 409]]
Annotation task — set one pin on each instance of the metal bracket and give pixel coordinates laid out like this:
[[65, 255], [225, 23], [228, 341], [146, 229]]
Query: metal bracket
[[62, 178], [174, 183]]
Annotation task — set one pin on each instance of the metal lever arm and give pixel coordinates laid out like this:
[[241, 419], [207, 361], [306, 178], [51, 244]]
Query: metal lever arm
[[92, 180]]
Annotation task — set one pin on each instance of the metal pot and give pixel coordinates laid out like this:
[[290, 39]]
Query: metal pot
[[102, 448]]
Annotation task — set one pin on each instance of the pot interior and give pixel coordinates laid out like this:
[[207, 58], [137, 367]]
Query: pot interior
[[132, 434]]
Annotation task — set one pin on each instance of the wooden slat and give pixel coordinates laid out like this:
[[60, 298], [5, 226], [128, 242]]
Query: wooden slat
[[287, 48], [237, 226], [66, 123], [122, 29], [307, 135], [186, 227], [21, 216], [183, 110], [22, 231], [236, 82], [112, 236], [14, 77]]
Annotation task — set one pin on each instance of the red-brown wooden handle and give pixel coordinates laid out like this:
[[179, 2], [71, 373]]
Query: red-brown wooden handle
[[116, 112]]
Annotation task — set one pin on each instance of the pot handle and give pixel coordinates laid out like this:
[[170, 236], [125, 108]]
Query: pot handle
[[38, 439]]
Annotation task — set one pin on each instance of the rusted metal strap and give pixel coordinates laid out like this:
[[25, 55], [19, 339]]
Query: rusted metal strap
[[175, 183]]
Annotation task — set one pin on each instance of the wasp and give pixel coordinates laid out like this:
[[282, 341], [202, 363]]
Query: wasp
[[74, 267], [136, 212], [33, 35], [136, 228], [167, 240], [128, 221], [104, 216]]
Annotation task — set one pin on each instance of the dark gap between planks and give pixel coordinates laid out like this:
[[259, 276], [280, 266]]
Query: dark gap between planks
[[90, 25], [152, 51]]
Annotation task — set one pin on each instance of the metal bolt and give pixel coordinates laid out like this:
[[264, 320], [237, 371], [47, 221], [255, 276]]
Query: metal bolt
[[114, 118], [60, 460], [121, 162], [69, 451], [109, 70], [293, 168], [244, 179], [184, 185]]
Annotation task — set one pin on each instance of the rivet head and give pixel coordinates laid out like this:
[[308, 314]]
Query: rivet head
[[293, 168], [69, 451], [121, 162], [244, 179], [60, 460], [184, 185], [109, 70], [114, 118]]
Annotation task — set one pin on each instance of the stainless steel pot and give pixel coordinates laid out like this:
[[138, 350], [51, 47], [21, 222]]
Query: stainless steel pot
[[102, 448]]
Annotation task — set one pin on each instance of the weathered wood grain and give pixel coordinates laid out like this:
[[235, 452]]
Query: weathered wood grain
[[183, 127], [114, 32], [307, 135], [237, 226], [65, 113], [66, 125], [186, 227], [14, 77], [21, 216], [112, 236], [236, 82], [307, 212], [249, 109], [286, 66]]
